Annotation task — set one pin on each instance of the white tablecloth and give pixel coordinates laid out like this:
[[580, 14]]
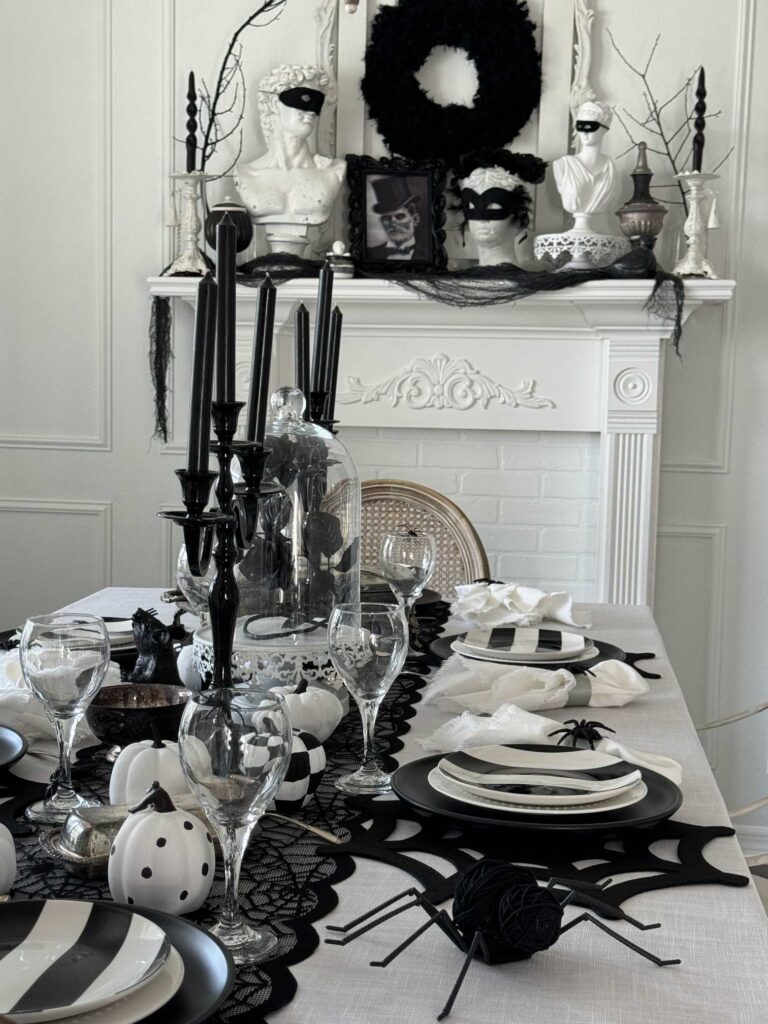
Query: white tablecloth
[[586, 978]]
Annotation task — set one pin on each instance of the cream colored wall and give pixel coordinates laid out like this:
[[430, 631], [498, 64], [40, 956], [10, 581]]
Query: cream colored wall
[[97, 89]]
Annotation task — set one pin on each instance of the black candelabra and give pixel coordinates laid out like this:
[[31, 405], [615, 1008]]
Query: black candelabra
[[225, 531]]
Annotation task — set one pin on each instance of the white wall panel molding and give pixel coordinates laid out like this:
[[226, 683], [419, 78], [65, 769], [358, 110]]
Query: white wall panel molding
[[715, 537], [100, 510], [99, 290], [736, 168]]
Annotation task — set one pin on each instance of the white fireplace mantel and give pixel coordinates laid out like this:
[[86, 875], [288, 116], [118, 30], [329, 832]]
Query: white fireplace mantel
[[581, 359]]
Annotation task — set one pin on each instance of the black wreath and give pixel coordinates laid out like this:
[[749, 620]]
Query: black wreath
[[497, 35]]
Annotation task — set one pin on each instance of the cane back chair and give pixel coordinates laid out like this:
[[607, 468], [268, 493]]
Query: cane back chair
[[389, 504]]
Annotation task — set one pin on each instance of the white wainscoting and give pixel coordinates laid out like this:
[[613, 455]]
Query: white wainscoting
[[72, 553]]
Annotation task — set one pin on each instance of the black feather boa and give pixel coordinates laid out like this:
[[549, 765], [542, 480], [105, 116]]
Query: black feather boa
[[497, 35]]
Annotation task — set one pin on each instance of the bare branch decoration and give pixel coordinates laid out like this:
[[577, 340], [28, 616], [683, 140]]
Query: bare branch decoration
[[228, 98], [671, 142]]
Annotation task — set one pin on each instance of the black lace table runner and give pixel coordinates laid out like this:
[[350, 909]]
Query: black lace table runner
[[288, 875]]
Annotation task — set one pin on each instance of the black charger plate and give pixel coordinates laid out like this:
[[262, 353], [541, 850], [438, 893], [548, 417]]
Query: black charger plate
[[441, 648], [209, 971], [12, 746], [411, 785]]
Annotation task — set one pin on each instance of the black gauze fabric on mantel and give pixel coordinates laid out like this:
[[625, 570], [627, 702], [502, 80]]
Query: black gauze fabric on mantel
[[478, 286]]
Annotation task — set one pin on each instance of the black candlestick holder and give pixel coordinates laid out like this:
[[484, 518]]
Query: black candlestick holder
[[252, 456], [318, 410], [232, 524]]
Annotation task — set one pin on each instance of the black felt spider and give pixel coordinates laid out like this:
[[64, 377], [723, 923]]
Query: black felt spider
[[500, 914], [583, 730]]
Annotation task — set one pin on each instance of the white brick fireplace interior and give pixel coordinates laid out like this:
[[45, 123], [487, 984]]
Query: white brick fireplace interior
[[532, 496]]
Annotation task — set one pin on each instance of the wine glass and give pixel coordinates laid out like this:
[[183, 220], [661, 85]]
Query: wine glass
[[63, 660], [407, 559], [368, 644], [235, 746]]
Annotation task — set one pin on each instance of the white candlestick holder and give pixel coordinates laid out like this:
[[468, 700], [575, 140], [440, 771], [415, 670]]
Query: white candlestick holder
[[700, 200], [190, 259]]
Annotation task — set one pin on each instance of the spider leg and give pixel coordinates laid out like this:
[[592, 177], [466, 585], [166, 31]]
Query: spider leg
[[438, 917], [625, 942], [476, 940], [418, 900], [556, 731]]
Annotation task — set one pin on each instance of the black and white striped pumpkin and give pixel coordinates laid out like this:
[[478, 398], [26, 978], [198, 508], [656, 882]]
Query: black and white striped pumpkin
[[305, 770]]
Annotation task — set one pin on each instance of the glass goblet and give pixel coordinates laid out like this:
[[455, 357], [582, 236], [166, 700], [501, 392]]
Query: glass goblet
[[368, 644], [235, 746], [63, 660], [407, 560]]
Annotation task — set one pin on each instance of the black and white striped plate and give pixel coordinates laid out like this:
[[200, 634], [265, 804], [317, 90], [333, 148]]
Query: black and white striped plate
[[518, 643], [59, 958]]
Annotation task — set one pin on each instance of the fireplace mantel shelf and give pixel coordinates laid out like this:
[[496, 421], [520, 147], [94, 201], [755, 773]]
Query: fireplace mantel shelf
[[588, 358], [366, 290]]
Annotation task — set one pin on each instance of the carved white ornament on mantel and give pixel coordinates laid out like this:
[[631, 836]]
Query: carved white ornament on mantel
[[443, 383]]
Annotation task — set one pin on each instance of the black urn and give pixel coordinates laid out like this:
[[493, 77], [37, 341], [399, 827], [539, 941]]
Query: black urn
[[239, 216]]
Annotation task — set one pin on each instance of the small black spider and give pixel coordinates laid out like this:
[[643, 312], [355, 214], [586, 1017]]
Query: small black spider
[[500, 914], [583, 730]]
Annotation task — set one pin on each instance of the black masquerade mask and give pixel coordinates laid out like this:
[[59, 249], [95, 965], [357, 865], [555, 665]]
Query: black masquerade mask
[[589, 126], [496, 204], [302, 98]]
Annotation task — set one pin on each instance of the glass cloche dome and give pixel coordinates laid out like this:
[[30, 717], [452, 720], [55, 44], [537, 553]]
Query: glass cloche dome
[[306, 555]]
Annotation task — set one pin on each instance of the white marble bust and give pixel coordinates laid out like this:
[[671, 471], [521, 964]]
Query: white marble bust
[[587, 182], [499, 237], [290, 188]]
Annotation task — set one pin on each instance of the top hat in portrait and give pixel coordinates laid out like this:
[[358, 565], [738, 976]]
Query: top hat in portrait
[[392, 193]]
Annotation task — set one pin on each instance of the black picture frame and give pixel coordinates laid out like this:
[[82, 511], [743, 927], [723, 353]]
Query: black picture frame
[[416, 187]]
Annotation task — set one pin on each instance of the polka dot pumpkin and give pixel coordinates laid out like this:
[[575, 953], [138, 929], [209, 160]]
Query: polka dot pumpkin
[[161, 857]]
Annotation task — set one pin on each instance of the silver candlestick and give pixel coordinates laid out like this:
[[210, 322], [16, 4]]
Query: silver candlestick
[[190, 259], [700, 203]]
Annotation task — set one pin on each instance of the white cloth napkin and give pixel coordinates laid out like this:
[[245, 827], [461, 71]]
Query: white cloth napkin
[[497, 604], [21, 710], [511, 724], [483, 686]]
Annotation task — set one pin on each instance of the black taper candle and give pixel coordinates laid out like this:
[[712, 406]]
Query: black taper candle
[[226, 249], [191, 140], [301, 339], [699, 122], [202, 376], [334, 349], [262, 362], [322, 325]]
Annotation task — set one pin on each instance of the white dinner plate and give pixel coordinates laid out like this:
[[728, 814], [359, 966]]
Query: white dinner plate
[[141, 1003], [507, 643], [538, 798], [66, 957], [454, 791], [586, 655]]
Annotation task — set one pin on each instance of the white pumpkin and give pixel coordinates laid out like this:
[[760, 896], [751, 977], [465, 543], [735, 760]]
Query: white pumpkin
[[188, 674], [315, 710], [161, 858], [7, 861], [140, 764]]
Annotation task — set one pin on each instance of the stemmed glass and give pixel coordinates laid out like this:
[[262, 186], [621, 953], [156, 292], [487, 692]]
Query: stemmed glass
[[407, 559], [368, 644], [235, 746], [63, 660]]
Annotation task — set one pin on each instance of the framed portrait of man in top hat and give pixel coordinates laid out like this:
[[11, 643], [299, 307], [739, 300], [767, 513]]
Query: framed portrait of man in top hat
[[396, 214]]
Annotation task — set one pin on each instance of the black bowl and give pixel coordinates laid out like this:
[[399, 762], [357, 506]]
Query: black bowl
[[125, 714]]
